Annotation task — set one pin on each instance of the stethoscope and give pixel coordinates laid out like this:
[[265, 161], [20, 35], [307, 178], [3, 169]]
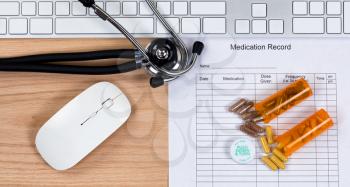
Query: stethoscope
[[165, 59]]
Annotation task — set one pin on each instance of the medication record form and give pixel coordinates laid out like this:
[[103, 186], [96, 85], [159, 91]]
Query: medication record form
[[201, 129]]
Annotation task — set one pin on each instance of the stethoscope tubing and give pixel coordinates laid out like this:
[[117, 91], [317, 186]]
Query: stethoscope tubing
[[72, 69], [70, 57], [48, 63]]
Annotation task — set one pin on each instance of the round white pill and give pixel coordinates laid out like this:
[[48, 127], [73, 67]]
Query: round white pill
[[242, 150]]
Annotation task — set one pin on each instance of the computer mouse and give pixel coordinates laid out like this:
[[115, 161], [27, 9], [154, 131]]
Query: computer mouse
[[82, 124]]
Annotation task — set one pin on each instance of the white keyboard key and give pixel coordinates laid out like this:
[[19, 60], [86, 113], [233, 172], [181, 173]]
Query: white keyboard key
[[259, 10], [18, 26], [78, 9], [300, 8], [276, 26], [214, 25], [98, 3], [45, 8], [308, 25], [145, 10], [62, 8], [97, 26], [28, 9], [334, 25], [180, 8], [3, 26], [259, 26], [208, 8], [191, 25], [9, 8], [41, 26], [113, 8], [333, 8], [242, 26], [130, 8], [316, 8], [346, 17], [164, 7], [174, 23]]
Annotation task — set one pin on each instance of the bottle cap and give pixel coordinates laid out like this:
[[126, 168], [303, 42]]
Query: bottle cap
[[242, 150]]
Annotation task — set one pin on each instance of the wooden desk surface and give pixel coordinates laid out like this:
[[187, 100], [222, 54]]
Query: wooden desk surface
[[136, 155]]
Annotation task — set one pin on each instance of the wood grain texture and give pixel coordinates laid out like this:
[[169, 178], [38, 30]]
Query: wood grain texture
[[136, 155]]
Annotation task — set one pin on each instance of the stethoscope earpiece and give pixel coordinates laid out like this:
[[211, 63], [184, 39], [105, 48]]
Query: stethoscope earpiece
[[156, 82], [198, 47]]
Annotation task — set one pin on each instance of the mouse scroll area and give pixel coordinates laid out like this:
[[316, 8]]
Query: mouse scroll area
[[82, 124]]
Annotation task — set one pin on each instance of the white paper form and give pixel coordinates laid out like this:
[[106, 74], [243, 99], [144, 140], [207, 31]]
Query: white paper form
[[201, 129]]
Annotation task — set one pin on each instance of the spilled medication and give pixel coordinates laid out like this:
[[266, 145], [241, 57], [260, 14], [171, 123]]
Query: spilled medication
[[269, 134], [277, 162], [265, 146], [266, 160]]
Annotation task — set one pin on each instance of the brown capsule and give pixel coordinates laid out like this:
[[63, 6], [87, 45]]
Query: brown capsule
[[245, 108], [236, 106], [258, 119], [248, 131], [250, 115], [255, 127]]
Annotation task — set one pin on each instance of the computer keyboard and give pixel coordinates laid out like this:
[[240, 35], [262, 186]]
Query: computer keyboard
[[194, 18]]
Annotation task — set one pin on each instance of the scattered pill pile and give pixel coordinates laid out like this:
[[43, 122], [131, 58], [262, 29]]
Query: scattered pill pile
[[265, 111]]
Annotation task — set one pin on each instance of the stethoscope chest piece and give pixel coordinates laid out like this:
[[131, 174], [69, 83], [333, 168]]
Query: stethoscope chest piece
[[162, 52]]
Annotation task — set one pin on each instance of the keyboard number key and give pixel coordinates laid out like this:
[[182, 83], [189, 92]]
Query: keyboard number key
[[92, 11], [145, 10], [214, 25], [316, 8], [333, 8], [180, 8], [300, 8], [18, 26], [191, 25], [130, 8], [242, 27], [3, 26], [62, 8], [113, 8], [28, 9], [78, 9], [45, 8], [276, 26], [164, 8], [334, 25]]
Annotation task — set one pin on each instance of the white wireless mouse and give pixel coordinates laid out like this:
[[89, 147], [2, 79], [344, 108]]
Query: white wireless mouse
[[82, 124]]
